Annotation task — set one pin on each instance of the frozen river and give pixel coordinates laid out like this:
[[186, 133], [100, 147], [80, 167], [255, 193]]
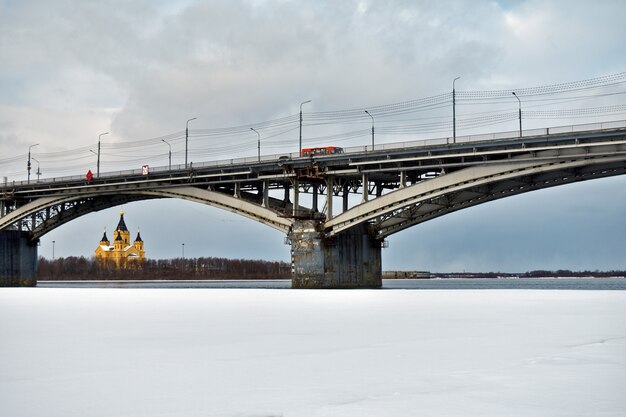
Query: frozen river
[[616, 283], [279, 352]]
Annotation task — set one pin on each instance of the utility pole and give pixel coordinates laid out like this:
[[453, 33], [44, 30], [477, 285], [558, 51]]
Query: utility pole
[[454, 110], [28, 163], [187, 139], [258, 143], [368, 113], [38, 173], [98, 164], [520, 113], [170, 153], [300, 147]]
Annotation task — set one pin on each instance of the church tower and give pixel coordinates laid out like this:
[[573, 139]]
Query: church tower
[[122, 252], [138, 243], [105, 240], [122, 230]]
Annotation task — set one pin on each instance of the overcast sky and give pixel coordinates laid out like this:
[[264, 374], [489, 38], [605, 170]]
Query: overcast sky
[[71, 70]]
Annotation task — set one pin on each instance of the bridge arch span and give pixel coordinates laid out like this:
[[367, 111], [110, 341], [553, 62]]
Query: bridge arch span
[[411, 205], [45, 214], [226, 202]]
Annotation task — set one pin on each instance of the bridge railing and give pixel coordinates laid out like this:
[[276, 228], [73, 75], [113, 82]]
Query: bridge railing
[[178, 169], [513, 134]]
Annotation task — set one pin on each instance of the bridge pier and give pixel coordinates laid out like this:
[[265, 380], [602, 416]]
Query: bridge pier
[[18, 259], [351, 259]]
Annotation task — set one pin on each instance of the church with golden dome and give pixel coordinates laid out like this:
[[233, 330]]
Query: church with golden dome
[[122, 253]]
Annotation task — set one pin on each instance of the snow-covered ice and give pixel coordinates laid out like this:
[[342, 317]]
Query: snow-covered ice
[[257, 352]]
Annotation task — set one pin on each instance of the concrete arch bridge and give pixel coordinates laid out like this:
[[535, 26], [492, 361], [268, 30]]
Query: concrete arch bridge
[[335, 210]]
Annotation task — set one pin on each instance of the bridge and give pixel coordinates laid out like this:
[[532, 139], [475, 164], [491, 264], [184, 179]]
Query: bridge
[[336, 210]]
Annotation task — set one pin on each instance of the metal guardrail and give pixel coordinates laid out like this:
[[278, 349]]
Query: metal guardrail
[[514, 134]]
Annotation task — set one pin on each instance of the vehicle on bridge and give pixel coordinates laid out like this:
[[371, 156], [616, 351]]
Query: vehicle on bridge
[[321, 151]]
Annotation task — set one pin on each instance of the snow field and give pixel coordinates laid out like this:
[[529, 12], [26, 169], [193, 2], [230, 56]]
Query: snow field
[[290, 353]]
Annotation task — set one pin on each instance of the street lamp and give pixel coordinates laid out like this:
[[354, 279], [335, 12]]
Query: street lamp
[[187, 139], [170, 153], [300, 148], [258, 142], [183, 251], [454, 111], [28, 164], [520, 113], [38, 172], [368, 113], [98, 164], [53, 249]]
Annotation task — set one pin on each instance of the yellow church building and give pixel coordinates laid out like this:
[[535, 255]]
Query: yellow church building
[[121, 252]]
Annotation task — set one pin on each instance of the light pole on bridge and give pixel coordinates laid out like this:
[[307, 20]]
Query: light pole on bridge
[[258, 143], [368, 113], [170, 153], [300, 147], [53, 242], [28, 164], [454, 110], [98, 164], [183, 250], [520, 113], [38, 173], [187, 139]]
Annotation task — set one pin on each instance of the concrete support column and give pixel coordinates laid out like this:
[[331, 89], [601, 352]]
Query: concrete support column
[[296, 197], [351, 259], [315, 193], [366, 189], [379, 189], [266, 194], [286, 198], [18, 259], [346, 193], [402, 179], [330, 185], [237, 193]]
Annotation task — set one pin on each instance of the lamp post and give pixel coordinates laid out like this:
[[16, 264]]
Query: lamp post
[[454, 110], [183, 251], [187, 139], [53, 249], [520, 113], [98, 164], [368, 113], [258, 143], [300, 147], [28, 164], [170, 153], [38, 172]]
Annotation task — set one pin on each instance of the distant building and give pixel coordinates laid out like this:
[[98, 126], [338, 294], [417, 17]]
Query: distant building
[[121, 252], [407, 275]]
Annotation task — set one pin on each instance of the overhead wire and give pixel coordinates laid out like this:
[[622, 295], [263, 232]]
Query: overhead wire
[[418, 116]]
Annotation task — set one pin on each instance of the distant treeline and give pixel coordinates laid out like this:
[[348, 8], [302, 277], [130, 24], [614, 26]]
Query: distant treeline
[[81, 268], [565, 273], [560, 273]]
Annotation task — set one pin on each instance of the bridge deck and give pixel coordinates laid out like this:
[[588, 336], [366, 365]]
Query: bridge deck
[[408, 176]]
